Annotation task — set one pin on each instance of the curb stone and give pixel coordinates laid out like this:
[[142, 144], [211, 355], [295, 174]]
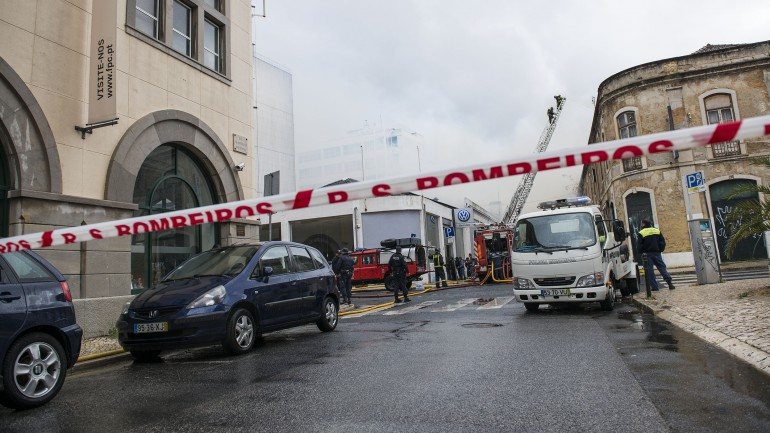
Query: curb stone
[[745, 352]]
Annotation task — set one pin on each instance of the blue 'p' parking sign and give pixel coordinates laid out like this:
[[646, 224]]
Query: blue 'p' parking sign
[[695, 182]]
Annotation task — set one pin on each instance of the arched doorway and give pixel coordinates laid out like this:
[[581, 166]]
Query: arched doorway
[[722, 204], [170, 179], [4, 187], [323, 243], [638, 208]]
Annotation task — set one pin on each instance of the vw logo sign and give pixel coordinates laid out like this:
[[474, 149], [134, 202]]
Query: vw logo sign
[[463, 215], [153, 314]]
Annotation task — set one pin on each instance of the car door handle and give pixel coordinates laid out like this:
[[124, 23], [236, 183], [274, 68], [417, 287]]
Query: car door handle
[[7, 297]]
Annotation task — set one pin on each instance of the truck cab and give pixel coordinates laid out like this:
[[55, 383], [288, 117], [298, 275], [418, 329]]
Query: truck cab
[[563, 253]]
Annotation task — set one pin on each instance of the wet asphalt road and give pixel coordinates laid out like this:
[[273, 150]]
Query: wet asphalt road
[[466, 370]]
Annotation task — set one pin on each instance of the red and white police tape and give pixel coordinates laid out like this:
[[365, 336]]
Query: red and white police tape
[[612, 150]]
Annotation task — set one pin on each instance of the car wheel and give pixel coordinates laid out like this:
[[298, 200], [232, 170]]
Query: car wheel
[[531, 306], [33, 371], [145, 355], [241, 332], [329, 316], [609, 302]]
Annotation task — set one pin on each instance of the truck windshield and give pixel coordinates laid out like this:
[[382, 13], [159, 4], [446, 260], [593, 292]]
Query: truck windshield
[[556, 232]]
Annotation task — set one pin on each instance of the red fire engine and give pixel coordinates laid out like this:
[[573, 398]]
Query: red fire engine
[[493, 249], [371, 265]]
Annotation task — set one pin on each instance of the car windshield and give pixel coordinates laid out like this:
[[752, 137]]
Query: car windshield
[[555, 232], [218, 262]]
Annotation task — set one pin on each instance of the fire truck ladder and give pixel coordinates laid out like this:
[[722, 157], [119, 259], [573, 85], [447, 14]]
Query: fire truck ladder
[[525, 186]]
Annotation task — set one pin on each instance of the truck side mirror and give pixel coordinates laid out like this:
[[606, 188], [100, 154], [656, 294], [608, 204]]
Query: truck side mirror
[[619, 231]]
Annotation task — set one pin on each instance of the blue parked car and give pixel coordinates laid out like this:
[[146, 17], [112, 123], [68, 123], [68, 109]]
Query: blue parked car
[[39, 339], [230, 296]]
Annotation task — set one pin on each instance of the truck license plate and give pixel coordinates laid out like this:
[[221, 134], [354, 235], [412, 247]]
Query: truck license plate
[[143, 328], [554, 292]]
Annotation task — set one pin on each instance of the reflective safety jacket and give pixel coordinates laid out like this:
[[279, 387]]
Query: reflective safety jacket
[[651, 240], [438, 261]]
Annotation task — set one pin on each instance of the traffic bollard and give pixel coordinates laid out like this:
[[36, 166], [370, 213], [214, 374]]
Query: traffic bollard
[[647, 285]]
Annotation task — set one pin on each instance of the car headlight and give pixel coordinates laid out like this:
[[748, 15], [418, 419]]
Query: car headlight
[[523, 284], [125, 308], [212, 297], [591, 280]]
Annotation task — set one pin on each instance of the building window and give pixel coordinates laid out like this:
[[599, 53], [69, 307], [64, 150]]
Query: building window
[[627, 128], [212, 4], [193, 31], [719, 108], [181, 40], [211, 46], [627, 124], [147, 12]]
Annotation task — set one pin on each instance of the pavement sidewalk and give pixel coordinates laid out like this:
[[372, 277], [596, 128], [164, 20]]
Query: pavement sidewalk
[[734, 316]]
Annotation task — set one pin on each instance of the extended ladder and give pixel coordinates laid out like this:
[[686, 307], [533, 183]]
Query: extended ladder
[[525, 186]]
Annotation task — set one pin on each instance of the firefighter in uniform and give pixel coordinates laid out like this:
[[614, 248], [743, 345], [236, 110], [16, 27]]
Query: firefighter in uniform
[[344, 269], [397, 266], [652, 244], [438, 265]]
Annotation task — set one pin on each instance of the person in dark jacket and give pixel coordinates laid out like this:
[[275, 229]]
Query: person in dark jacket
[[438, 266], [397, 267], [652, 243], [470, 267], [460, 265], [344, 270]]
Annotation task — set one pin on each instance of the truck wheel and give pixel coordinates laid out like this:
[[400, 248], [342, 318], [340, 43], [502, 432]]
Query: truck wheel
[[632, 286], [619, 285], [609, 302], [531, 307]]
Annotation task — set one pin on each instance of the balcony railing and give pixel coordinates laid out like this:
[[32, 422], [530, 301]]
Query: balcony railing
[[632, 164], [726, 149]]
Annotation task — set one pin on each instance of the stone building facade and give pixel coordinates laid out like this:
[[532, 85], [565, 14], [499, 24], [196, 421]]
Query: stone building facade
[[183, 83], [715, 84]]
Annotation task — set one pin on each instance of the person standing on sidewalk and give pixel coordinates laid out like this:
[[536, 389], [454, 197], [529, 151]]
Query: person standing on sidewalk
[[460, 265], [652, 244], [470, 267], [438, 265], [397, 266], [345, 266]]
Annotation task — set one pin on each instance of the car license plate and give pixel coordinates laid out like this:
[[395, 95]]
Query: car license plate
[[143, 328], [554, 292]]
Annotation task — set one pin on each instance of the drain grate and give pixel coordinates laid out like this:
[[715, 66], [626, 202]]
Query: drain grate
[[482, 301], [481, 325]]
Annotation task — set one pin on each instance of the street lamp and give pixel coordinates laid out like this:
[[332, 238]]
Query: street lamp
[[363, 173], [419, 162]]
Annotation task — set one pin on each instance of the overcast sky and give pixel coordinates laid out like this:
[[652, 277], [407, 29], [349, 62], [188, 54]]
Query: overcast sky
[[475, 77]]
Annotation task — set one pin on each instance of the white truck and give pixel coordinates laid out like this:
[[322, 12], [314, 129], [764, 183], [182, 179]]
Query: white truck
[[563, 253]]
